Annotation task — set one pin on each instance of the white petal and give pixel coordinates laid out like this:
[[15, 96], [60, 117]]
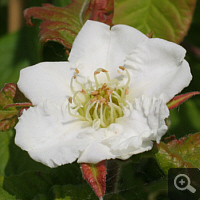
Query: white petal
[[145, 123], [98, 46], [158, 67], [49, 136], [123, 40], [95, 153], [90, 48], [46, 81]]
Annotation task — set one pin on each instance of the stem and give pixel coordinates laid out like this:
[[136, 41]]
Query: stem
[[18, 105], [113, 168]]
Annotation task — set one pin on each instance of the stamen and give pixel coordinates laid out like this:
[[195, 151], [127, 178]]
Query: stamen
[[98, 102], [95, 78], [77, 71], [126, 91], [107, 74], [106, 120], [111, 111], [82, 86], [74, 99], [127, 73], [113, 81], [102, 117], [71, 85], [129, 79], [70, 100], [119, 110], [109, 92], [88, 116], [94, 93], [95, 115], [119, 72], [73, 115], [117, 97], [103, 70], [93, 100], [83, 91], [96, 72], [122, 68], [90, 85]]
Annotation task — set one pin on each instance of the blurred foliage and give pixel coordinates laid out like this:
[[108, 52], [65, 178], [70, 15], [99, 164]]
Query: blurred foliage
[[3, 19], [186, 118], [168, 20], [23, 178]]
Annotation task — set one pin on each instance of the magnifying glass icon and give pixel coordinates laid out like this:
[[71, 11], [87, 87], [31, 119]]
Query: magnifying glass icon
[[182, 182]]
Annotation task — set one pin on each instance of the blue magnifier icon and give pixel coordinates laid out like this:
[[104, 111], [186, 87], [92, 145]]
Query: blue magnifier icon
[[182, 182]]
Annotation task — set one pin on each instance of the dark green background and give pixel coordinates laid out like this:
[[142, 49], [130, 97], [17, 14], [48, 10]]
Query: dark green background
[[139, 179]]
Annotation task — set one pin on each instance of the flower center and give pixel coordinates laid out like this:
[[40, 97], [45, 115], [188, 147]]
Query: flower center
[[99, 103]]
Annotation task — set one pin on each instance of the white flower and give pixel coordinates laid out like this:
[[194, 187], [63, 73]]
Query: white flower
[[90, 109]]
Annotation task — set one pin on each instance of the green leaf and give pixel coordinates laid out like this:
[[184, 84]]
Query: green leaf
[[182, 153], [4, 150], [72, 192], [4, 195], [158, 188], [19, 161], [41, 186], [63, 24], [17, 50], [168, 19], [61, 3], [130, 185], [28, 184]]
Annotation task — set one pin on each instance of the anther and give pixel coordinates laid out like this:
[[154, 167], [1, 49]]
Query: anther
[[119, 72], [126, 91], [93, 100], [122, 68], [77, 71], [104, 87], [109, 92], [83, 91], [96, 72], [103, 70], [70, 99], [94, 93]]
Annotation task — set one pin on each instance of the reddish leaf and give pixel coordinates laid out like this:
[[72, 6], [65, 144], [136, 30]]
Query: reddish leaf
[[8, 108], [177, 100], [7, 124], [9, 90], [63, 24], [100, 10], [95, 175], [182, 153]]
